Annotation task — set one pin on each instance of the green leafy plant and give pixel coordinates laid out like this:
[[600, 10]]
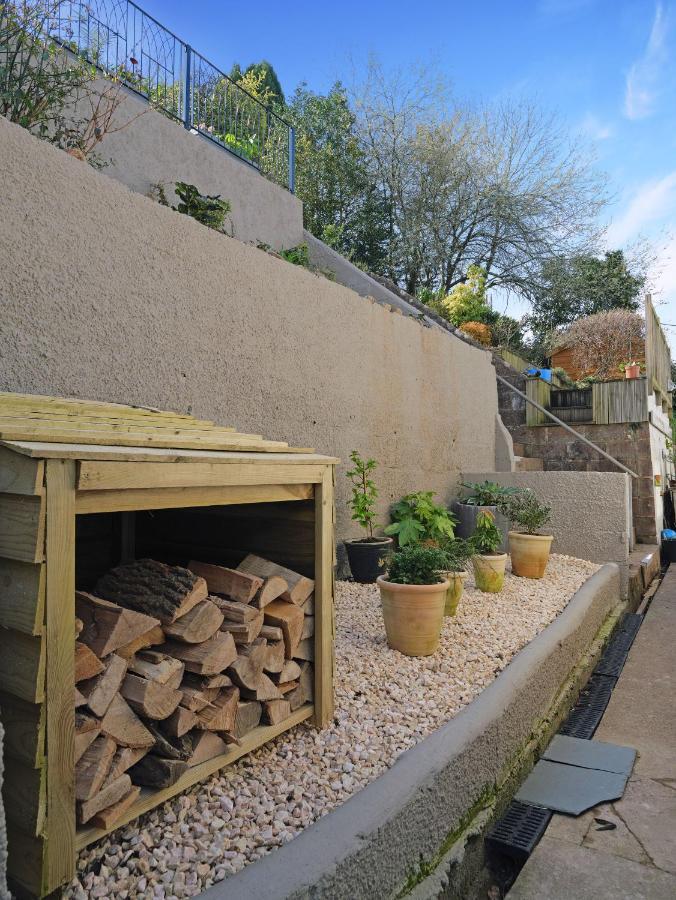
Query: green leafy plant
[[364, 492], [417, 519], [299, 256], [458, 554], [487, 536], [526, 513], [417, 565], [210, 210], [486, 493]]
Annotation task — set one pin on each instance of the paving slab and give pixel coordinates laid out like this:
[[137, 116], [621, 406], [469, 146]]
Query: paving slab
[[590, 754], [569, 789]]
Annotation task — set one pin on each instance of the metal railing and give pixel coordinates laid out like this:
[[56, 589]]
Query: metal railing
[[123, 40]]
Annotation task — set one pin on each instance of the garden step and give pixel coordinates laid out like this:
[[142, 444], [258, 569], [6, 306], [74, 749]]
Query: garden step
[[518, 448], [528, 464]]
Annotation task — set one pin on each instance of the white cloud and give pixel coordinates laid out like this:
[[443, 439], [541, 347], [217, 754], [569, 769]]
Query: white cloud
[[594, 128], [651, 203], [643, 78]]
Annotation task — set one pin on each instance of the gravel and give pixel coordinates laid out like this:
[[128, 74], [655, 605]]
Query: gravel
[[385, 703]]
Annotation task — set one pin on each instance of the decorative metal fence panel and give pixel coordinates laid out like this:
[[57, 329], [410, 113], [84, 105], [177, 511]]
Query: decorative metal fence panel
[[124, 41]]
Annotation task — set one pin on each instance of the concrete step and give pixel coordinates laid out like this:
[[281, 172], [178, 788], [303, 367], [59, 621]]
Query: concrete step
[[519, 448], [528, 464]]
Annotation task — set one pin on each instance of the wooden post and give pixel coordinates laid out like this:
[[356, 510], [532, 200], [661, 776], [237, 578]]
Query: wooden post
[[324, 558], [59, 625]]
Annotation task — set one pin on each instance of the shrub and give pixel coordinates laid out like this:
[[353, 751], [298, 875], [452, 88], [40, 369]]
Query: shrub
[[417, 518], [299, 256], [417, 565], [458, 553], [526, 513], [364, 492], [487, 493], [210, 210], [478, 331], [487, 536]]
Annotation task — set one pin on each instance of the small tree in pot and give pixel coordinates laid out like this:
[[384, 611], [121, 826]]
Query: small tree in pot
[[488, 562], [458, 553], [528, 548], [413, 596], [367, 555]]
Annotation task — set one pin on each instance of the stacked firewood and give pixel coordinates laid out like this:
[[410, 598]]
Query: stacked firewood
[[173, 664]]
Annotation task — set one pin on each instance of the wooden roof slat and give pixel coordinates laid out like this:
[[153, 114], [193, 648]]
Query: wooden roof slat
[[41, 450]]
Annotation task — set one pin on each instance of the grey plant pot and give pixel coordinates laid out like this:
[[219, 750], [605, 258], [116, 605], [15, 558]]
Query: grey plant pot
[[467, 516]]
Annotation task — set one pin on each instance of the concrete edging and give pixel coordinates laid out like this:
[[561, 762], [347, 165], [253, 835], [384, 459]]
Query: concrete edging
[[390, 835]]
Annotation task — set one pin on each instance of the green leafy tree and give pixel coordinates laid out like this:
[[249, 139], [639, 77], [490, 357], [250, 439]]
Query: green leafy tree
[[364, 492], [487, 536]]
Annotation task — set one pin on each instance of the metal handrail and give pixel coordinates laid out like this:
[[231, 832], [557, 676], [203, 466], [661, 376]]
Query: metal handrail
[[565, 425]]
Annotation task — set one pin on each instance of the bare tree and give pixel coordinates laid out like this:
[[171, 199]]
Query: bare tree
[[601, 343]]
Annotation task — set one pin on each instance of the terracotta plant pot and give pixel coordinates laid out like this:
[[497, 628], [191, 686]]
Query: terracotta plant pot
[[368, 559], [454, 593], [413, 615], [530, 553], [632, 371], [489, 572]]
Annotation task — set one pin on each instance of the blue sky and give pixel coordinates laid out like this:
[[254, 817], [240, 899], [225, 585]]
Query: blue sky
[[608, 67]]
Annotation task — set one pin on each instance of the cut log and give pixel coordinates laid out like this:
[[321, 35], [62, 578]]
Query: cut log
[[158, 667], [305, 690], [290, 619], [105, 798], [287, 687], [266, 690], [80, 700], [207, 685], [274, 658], [79, 625], [220, 715], [123, 726], [305, 650], [93, 767], [273, 587], [221, 580], [109, 816], [299, 587], [158, 772], [270, 633], [244, 632], [180, 722], [206, 745], [309, 606], [100, 691], [237, 612], [308, 628], [197, 625], [149, 698], [168, 746], [213, 681], [208, 658], [247, 669], [149, 639], [275, 711], [248, 717], [290, 672], [87, 663], [125, 758], [154, 588], [193, 699], [108, 626], [87, 729]]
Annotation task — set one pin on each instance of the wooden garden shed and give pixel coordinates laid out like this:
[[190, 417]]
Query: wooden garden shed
[[85, 485]]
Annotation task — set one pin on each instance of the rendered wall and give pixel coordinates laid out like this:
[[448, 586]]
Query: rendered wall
[[105, 294]]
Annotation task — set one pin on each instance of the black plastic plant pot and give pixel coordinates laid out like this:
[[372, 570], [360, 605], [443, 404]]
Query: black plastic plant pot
[[368, 559]]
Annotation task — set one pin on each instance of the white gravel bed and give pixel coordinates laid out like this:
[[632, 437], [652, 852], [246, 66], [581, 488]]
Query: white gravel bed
[[385, 703]]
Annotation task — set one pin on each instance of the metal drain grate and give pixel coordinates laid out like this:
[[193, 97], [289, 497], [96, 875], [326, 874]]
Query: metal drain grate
[[615, 655], [585, 716], [518, 831]]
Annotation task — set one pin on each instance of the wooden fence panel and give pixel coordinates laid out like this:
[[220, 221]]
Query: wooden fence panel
[[620, 401], [657, 352], [540, 391]]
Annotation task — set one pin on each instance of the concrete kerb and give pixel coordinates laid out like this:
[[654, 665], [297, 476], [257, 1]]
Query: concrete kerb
[[389, 837]]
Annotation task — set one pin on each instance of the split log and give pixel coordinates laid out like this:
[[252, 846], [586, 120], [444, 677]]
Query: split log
[[112, 814], [220, 715], [308, 628], [205, 684], [299, 587], [206, 745], [244, 632], [154, 588], [197, 625], [290, 619], [93, 767], [105, 798], [193, 699], [212, 681], [87, 663], [266, 690], [309, 606], [290, 672], [304, 693], [79, 625], [167, 745], [270, 633], [158, 667], [273, 588], [247, 669], [221, 580], [125, 758], [180, 722], [208, 658], [149, 698], [87, 729], [305, 650], [149, 639], [123, 726], [158, 772], [274, 659], [287, 687], [108, 626], [248, 717], [237, 612], [101, 690], [275, 711], [80, 700]]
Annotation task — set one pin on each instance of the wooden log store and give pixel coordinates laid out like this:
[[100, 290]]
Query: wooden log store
[[166, 606]]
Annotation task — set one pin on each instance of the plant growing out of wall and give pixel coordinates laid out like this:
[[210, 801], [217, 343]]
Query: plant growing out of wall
[[418, 519], [208, 209], [299, 256]]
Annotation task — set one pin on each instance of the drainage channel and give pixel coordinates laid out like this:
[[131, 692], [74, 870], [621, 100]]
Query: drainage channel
[[513, 838]]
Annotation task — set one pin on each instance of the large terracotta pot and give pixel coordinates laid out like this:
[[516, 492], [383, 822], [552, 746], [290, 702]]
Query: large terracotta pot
[[489, 572], [530, 553], [413, 615], [456, 585]]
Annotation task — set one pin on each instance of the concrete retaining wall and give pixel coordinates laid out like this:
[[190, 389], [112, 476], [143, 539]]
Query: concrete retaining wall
[[388, 835], [591, 511], [105, 294]]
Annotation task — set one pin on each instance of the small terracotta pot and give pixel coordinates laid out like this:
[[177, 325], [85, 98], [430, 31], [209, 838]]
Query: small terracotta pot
[[632, 371], [454, 593], [489, 572], [413, 615], [530, 553]]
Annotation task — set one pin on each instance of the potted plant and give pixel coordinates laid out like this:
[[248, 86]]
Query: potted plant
[[631, 369], [529, 549], [458, 553], [486, 495], [413, 595], [368, 555], [416, 518], [488, 562]]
